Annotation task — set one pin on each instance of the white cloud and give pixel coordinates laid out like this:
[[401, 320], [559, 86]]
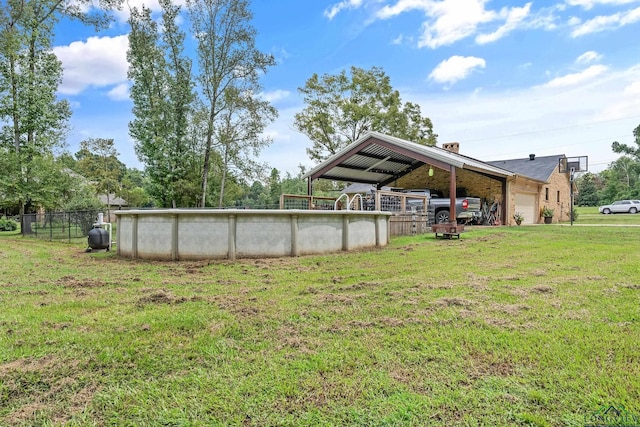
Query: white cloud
[[403, 6], [448, 21], [123, 14], [574, 20], [504, 124], [119, 93], [606, 23], [588, 57], [514, 18], [577, 78], [454, 20], [276, 95], [280, 54], [588, 4], [332, 11], [98, 62], [456, 68], [632, 89]]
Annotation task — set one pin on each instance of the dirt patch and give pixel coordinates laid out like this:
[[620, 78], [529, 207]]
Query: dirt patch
[[510, 309], [454, 302], [488, 364], [56, 326], [163, 297], [338, 299], [436, 286], [289, 337], [242, 306], [542, 289], [478, 283], [73, 282], [519, 292], [361, 285], [46, 386]]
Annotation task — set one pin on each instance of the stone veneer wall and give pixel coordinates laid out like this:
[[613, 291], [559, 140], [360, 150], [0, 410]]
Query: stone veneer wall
[[490, 190], [477, 185], [562, 208]]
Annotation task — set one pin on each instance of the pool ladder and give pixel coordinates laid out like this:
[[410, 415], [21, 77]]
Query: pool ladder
[[349, 201]]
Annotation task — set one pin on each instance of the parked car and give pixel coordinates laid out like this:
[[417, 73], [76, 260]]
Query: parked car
[[467, 208], [621, 206]]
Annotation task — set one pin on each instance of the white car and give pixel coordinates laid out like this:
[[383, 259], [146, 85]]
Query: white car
[[621, 206]]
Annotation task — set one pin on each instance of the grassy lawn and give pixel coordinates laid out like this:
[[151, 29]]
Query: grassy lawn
[[508, 326], [590, 215]]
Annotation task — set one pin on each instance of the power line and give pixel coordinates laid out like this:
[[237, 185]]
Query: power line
[[551, 129]]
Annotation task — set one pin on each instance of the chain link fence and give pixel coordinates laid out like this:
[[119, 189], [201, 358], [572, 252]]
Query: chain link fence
[[59, 225]]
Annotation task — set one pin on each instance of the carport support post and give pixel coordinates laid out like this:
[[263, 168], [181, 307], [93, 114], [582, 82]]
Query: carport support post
[[452, 196]]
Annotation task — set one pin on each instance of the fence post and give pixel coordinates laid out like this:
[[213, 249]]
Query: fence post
[[50, 226]]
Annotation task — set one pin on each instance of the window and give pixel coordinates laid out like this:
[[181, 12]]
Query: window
[[546, 194], [558, 197]]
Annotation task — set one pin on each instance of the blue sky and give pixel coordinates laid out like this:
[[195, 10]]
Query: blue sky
[[502, 78]]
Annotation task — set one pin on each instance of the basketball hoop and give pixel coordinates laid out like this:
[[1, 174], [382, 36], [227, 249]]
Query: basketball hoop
[[571, 165]]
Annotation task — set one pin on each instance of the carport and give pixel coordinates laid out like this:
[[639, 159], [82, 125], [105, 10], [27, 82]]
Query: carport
[[382, 160]]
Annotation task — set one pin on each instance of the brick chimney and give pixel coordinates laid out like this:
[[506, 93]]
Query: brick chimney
[[454, 147]]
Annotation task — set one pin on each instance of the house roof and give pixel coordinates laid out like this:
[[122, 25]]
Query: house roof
[[379, 159], [358, 187], [538, 168], [113, 200]]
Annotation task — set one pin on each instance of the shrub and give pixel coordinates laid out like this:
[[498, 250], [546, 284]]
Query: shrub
[[575, 214], [8, 224]]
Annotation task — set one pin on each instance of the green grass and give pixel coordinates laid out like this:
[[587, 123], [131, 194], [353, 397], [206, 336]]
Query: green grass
[[590, 215], [509, 326]]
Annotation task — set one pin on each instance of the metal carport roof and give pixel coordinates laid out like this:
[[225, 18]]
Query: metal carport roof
[[379, 159]]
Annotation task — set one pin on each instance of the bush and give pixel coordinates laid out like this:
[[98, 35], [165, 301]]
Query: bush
[[8, 224]]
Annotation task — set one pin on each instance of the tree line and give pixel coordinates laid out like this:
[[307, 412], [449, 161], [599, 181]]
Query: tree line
[[198, 119], [620, 181]]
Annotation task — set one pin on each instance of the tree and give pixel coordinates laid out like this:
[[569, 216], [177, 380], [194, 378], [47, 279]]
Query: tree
[[133, 191], [98, 162], [239, 135], [275, 188], [294, 184], [162, 94], [628, 149], [34, 121], [230, 66], [587, 190], [625, 171], [341, 108]]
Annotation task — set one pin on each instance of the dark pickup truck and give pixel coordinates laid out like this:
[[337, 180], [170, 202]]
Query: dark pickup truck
[[468, 209]]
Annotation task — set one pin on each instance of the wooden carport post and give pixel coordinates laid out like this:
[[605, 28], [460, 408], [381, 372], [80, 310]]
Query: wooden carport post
[[310, 192], [452, 196]]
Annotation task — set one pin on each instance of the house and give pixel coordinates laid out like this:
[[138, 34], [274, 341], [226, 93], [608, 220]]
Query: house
[[538, 184], [112, 202], [382, 160]]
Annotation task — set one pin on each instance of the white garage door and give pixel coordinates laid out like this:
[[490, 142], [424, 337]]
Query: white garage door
[[526, 205]]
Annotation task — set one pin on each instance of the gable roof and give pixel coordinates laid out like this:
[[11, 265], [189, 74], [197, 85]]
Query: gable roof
[[376, 158], [540, 168], [113, 200]]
